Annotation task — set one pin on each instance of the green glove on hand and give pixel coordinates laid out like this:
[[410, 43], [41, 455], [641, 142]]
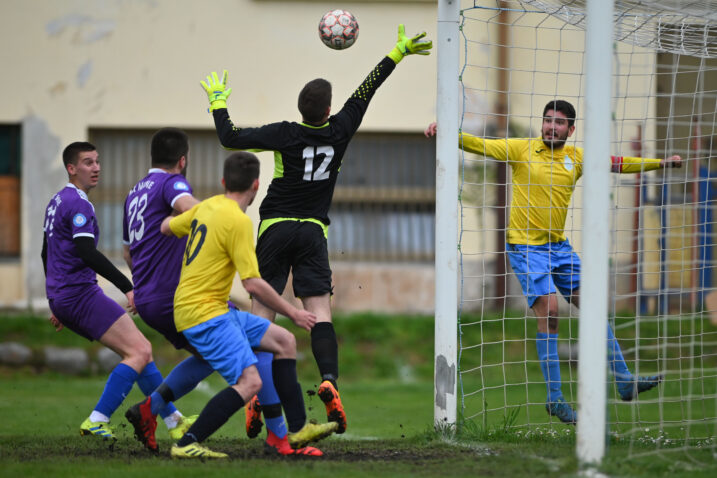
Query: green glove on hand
[[409, 46], [217, 91]]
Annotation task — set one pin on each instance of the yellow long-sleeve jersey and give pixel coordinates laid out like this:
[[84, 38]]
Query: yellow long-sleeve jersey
[[543, 183]]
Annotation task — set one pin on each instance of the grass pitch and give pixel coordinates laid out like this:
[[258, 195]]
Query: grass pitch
[[386, 387]]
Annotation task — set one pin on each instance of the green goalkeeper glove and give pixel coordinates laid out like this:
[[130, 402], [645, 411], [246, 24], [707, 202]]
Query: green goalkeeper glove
[[217, 91], [409, 46]]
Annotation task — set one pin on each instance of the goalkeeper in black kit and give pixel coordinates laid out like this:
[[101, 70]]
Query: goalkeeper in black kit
[[294, 216]]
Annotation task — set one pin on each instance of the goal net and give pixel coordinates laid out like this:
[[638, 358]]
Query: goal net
[[518, 55]]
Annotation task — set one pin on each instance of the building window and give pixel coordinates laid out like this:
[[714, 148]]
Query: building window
[[383, 207], [385, 200], [10, 173], [125, 159]]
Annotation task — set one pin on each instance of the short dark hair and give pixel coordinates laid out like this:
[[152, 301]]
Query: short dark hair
[[72, 152], [314, 100], [564, 107], [168, 147], [240, 171]]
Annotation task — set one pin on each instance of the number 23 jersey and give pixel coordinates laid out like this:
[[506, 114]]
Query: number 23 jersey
[[220, 244], [156, 258]]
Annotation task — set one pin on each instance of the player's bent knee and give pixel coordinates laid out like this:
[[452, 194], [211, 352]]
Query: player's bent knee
[[249, 384], [286, 344], [254, 387], [143, 351]]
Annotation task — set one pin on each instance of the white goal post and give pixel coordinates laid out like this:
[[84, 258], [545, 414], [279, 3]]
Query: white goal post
[[592, 367], [446, 315]]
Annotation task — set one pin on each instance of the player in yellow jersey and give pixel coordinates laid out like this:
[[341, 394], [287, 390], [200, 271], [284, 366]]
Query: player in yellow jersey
[[220, 244], [544, 173]]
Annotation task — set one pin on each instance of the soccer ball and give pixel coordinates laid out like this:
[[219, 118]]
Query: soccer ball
[[338, 29]]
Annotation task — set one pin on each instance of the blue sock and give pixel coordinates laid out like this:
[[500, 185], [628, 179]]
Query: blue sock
[[116, 389], [547, 346], [268, 398], [182, 380], [148, 381], [615, 358]]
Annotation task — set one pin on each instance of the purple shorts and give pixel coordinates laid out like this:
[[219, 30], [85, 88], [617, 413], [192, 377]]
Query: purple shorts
[[88, 314], [160, 316]]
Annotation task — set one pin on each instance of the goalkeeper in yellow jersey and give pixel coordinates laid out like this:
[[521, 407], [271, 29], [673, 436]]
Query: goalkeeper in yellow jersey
[[544, 173]]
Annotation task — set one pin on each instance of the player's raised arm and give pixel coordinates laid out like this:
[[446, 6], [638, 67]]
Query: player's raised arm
[[498, 149], [217, 90], [674, 161], [355, 107], [627, 164], [409, 46]]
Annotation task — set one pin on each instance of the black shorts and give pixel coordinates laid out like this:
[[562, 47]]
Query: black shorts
[[299, 247]]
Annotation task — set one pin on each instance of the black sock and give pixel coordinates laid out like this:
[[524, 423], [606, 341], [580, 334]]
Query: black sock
[[165, 392], [271, 411], [289, 391], [326, 351], [215, 414]]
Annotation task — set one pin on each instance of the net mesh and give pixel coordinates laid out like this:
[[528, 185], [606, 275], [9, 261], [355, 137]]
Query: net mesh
[[517, 56]]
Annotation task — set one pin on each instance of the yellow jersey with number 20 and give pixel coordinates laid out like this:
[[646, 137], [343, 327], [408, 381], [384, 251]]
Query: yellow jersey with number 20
[[220, 244]]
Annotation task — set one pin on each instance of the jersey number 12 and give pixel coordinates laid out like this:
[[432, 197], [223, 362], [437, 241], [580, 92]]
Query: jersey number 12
[[311, 152]]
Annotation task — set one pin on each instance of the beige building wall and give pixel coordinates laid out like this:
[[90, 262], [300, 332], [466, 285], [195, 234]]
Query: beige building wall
[[72, 65]]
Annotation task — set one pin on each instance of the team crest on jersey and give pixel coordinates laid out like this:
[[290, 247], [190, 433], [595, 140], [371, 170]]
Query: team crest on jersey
[[568, 163], [181, 186], [79, 220]]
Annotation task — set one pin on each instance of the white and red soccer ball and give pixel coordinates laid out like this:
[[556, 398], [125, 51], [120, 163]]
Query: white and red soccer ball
[[338, 29]]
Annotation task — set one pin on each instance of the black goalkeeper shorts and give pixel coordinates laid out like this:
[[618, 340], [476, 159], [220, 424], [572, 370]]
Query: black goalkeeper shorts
[[299, 247]]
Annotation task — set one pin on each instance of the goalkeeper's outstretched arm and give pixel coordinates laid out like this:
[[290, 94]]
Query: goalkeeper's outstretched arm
[[627, 164], [498, 149], [409, 46]]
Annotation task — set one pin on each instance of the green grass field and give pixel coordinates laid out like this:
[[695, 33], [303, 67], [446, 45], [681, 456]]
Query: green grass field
[[387, 391], [501, 372]]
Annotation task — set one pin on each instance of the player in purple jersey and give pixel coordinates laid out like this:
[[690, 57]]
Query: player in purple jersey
[[72, 262], [156, 261]]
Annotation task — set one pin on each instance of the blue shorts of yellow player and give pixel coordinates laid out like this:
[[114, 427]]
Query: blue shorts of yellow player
[[545, 269], [226, 341]]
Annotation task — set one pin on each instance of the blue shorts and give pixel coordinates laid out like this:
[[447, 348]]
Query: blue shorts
[[226, 341], [545, 269]]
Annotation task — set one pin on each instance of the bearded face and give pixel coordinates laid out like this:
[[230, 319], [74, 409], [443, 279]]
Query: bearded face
[[555, 130]]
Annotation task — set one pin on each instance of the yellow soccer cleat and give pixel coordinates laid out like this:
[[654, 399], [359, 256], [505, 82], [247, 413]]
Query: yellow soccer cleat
[[183, 425], [195, 450], [311, 432], [98, 429]]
